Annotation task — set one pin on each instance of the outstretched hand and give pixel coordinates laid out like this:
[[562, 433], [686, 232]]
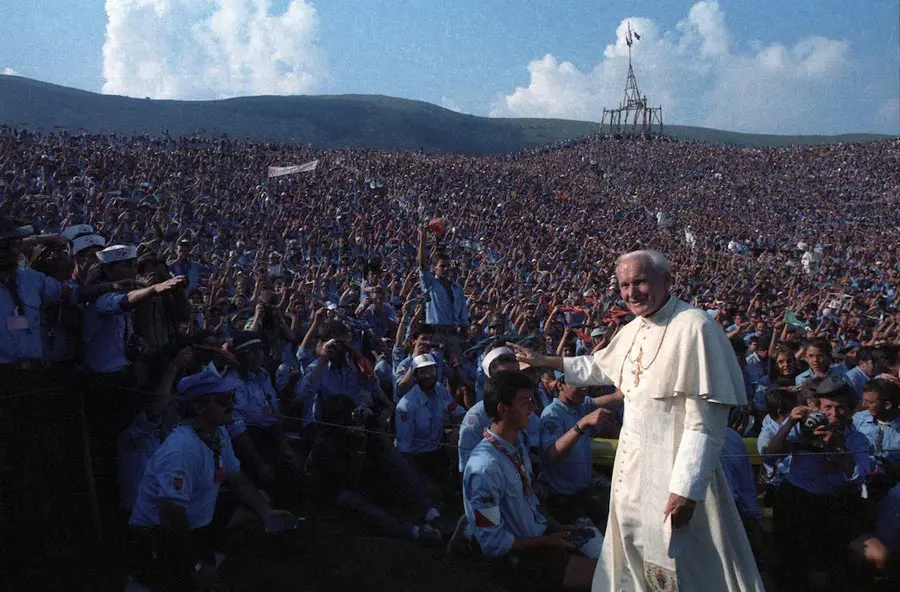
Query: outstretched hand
[[528, 356]]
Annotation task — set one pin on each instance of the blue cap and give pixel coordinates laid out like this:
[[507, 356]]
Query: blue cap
[[202, 383], [244, 341]]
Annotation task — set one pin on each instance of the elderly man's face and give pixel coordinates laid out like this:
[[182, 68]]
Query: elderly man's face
[[643, 288]]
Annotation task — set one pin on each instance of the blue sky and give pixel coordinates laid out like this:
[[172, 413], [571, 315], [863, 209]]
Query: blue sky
[[785, 66]]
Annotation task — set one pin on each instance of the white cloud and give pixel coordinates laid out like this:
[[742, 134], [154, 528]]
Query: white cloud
[[699, 78], [202, 49], [7, 71]]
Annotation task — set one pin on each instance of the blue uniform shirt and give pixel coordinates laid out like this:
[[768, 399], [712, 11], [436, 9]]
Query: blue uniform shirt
[[374, 323], [136, 446], [444, 372], [255, 400], [334, 381], [820, 474], [471, 432], [759, 394], [775, 466], [23, 340], [571, 473], [856, 377], [836, 370], [105, 332], [497, 506], [182, 472], [739, 475], [443, 308], [191, 271], [421, 419], [888, 453]]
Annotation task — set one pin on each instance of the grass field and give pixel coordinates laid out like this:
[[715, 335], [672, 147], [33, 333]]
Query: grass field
[[330, 553]]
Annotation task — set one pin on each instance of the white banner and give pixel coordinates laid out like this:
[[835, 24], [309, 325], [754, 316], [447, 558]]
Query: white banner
[[290, 170]]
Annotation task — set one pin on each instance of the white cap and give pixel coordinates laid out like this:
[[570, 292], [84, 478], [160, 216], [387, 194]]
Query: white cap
[[79, 229], [117, 253], [423, 361], [90, 240], [493, 355]]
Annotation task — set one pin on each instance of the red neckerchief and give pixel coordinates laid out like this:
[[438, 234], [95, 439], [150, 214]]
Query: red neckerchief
[[516, 459]]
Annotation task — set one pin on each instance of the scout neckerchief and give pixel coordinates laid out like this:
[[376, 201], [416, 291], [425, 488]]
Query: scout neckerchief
[[216, 447], [516, 459]]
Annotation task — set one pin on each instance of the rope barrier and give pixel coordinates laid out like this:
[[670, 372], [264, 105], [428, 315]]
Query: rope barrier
[[381, 433]]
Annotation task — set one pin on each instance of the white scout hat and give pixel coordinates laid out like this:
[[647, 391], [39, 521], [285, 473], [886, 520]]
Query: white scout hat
[[90, 240], [72, 232], [117, 253], [423, 361], [493, 355]]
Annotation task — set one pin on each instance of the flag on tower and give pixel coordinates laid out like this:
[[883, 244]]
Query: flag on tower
[[636, 36]]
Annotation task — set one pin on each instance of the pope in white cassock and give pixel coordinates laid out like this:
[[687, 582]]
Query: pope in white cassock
[[673, 524]]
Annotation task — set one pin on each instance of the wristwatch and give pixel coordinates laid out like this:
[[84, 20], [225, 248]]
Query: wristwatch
[[578, 430], [198, 566]]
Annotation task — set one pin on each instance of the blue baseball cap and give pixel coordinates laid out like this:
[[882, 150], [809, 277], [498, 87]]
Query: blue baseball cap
[[203, 383]]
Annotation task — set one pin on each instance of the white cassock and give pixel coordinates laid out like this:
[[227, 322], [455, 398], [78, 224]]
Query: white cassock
[[677, 401]]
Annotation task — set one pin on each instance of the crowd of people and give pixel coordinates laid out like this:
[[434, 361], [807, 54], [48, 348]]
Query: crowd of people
[[344, 336]]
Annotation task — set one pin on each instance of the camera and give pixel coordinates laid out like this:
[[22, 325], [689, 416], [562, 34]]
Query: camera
[[813, 421]]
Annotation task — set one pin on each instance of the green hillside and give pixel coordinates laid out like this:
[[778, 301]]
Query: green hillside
[[359, 121]]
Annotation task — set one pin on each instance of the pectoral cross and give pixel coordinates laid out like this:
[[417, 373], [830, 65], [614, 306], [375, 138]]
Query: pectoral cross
[[636, 370]]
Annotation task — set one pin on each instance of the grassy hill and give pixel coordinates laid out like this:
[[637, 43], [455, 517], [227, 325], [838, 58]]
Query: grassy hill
[[359, 121]]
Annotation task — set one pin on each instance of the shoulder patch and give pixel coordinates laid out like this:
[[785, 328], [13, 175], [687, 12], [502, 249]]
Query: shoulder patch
[[470, 420], [487, 517], [404, 417]]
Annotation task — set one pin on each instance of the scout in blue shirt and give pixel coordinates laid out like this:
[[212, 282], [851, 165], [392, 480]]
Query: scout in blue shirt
[[179, 491], [879, 422], [445, 302], [183, 266], [257, 432], [421, 343], [499, 497], [421, 417], [817, 509], [338, 372], [140, 440], [818, 356], [779, 403], [107, 321], [476, 419], [566, 426], [379, 316], [863, 372], [22, 294], [425, 411]]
